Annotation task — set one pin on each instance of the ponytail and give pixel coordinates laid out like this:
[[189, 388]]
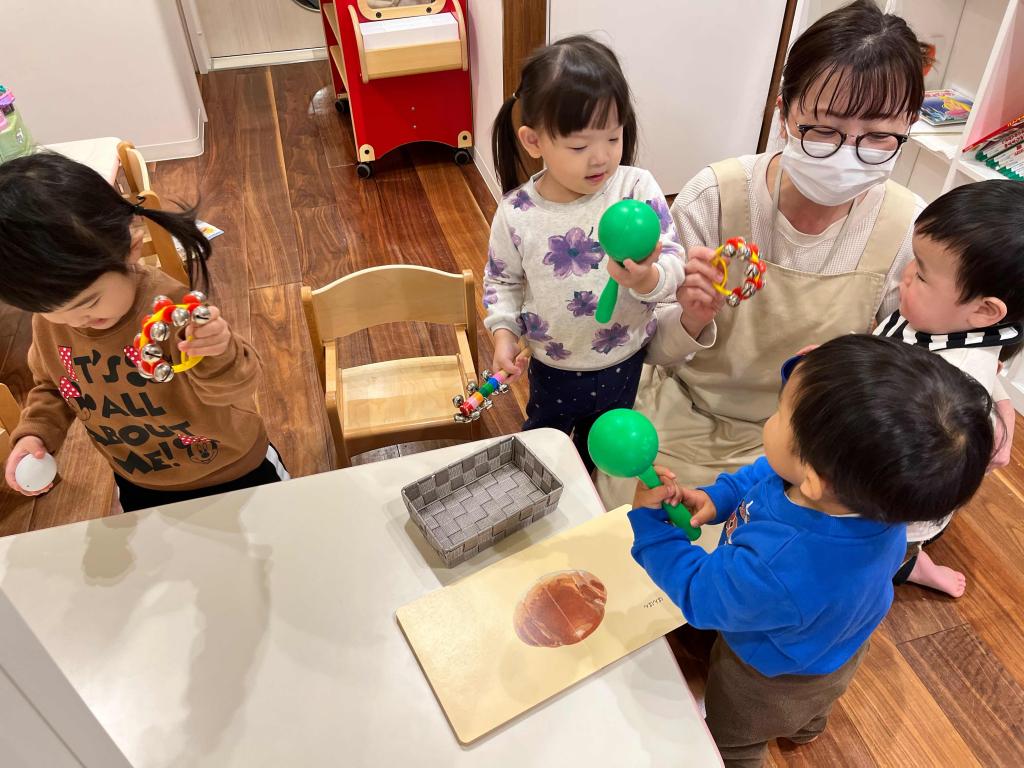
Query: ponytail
[[508, 163], [183, 228]]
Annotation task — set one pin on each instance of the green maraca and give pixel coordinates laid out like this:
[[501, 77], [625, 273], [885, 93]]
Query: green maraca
[[628, 230], [624, 443]]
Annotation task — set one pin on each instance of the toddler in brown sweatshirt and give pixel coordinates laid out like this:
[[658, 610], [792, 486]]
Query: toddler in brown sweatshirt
[[69, 252]]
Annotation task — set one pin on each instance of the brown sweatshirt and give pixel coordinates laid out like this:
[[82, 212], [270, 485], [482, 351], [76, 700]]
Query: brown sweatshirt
[[197, 430]]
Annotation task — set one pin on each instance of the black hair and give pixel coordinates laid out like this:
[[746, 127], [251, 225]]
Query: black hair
[[898, 433], [63, 226], [873, 59], [565, 87], [983, 224]]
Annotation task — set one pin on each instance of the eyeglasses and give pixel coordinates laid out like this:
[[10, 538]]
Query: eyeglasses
[[873, 148]]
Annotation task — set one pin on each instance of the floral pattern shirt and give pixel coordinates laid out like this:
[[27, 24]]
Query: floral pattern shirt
[[546, 270]]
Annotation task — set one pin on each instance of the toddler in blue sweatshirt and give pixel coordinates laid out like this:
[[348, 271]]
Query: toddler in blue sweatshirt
[[815, 531]]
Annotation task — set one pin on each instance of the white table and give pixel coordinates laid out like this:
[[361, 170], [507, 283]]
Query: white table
[[257, 628], [98, 154]]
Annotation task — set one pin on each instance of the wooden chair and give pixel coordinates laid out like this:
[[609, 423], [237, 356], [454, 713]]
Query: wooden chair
[[158, 247], [398, 401], [10, 414]]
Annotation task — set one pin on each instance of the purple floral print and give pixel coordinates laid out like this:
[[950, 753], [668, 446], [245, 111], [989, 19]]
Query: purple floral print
[[650, 328], [517, 241], [661, 208], [534, 327], [495, 266], [556, 351], [522, 201], [583, 304], [607, 339], [574, 253], [490, 296]]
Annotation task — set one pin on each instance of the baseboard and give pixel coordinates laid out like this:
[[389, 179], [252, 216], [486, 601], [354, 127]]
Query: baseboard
[[265, 59], [488, 175], [175, 150]]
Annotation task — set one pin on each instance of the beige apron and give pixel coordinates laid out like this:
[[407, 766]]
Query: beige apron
[[709, 412]]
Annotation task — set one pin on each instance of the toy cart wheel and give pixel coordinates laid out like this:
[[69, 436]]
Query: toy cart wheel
[[462, 157], [342, 106], [365, 170]]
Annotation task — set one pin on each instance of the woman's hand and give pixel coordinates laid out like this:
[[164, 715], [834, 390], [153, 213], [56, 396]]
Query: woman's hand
[[641, 276], [697, 295], [507, 355], [210, 339], [28, 445]]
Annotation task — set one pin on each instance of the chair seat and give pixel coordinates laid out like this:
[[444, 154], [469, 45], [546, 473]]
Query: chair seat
[[398, 395]]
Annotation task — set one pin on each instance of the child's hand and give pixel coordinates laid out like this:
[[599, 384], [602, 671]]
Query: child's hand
[[652, 498], [641, 276], [507, 355], [29, 444], [209, 339], [697, 295], [702, 508]]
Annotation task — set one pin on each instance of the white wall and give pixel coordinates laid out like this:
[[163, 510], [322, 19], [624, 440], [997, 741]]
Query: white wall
[[699, 72], [485, 61], [82, 70]]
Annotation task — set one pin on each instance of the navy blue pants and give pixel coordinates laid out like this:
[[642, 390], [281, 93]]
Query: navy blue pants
[[572, 400]]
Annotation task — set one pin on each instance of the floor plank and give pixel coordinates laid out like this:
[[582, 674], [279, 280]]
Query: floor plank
[[898, 720], [980, 698], [297, 421]]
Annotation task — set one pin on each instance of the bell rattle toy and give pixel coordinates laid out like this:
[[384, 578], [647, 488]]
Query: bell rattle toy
[[624, 443], [34, 474], [630, 229], [479, 397], [152, 362], [753, 275]]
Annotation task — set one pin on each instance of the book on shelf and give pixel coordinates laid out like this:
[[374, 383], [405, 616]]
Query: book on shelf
[[946, 107], [994, 135]]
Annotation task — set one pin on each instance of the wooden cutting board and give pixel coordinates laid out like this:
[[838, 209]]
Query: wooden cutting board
[[465, 635]]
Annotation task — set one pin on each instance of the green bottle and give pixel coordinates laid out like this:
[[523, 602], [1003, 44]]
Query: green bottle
[[15, 139]]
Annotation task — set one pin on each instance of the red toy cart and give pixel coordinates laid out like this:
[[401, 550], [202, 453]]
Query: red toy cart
[[403, 73]]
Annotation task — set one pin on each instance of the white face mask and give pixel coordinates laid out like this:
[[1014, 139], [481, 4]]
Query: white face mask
[[836, 179]]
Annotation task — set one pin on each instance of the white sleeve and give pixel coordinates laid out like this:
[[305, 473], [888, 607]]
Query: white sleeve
[[670, 262], [504, 279], [671, 344]]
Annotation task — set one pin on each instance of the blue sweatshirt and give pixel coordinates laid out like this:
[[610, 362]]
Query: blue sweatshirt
[[792, 590]]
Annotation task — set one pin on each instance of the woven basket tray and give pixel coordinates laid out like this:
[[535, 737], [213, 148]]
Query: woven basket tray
[[471, 504]]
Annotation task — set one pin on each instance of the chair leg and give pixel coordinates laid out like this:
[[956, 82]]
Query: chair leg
[[341, 456]]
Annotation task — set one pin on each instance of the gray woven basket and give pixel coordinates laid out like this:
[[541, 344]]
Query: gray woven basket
[[471, 504]]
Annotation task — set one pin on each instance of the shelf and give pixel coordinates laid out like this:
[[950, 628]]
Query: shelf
[[339, 63], [943, 145], [332, 18], [978, 171]]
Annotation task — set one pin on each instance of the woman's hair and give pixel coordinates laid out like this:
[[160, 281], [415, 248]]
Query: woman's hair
[[899, 433], [565, 87], [62, 227], [872, 59]]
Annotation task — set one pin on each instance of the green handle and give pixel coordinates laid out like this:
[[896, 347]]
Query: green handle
[[606, 304], [677, 513]]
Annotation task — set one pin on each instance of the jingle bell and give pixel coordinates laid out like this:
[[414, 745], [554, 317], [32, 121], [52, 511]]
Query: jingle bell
[[159, 332], [163, 373], [160, 302], [201, 315], [732, 300], [458, 400], [180, 317], [194, 297], [152, 353]]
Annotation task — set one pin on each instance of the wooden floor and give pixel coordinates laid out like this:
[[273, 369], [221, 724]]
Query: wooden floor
[[942, 685]]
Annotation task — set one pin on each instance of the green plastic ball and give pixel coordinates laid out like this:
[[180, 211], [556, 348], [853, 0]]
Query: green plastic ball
[[629, 230], [623, 443]]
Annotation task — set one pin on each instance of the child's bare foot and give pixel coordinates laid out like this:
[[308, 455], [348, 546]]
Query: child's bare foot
[[928, 574]]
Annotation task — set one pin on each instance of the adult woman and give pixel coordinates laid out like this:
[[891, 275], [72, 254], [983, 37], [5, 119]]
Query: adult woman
[[835, 232]]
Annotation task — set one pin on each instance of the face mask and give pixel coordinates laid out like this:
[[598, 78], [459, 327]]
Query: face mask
[[836, 179]]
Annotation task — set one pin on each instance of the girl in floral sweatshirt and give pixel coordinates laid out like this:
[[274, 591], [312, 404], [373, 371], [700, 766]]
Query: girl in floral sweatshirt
[[544, 264]]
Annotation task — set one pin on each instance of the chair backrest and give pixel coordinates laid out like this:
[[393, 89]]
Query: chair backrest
[[10, 414], [134, 166], [390, 294], [159, 243]]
